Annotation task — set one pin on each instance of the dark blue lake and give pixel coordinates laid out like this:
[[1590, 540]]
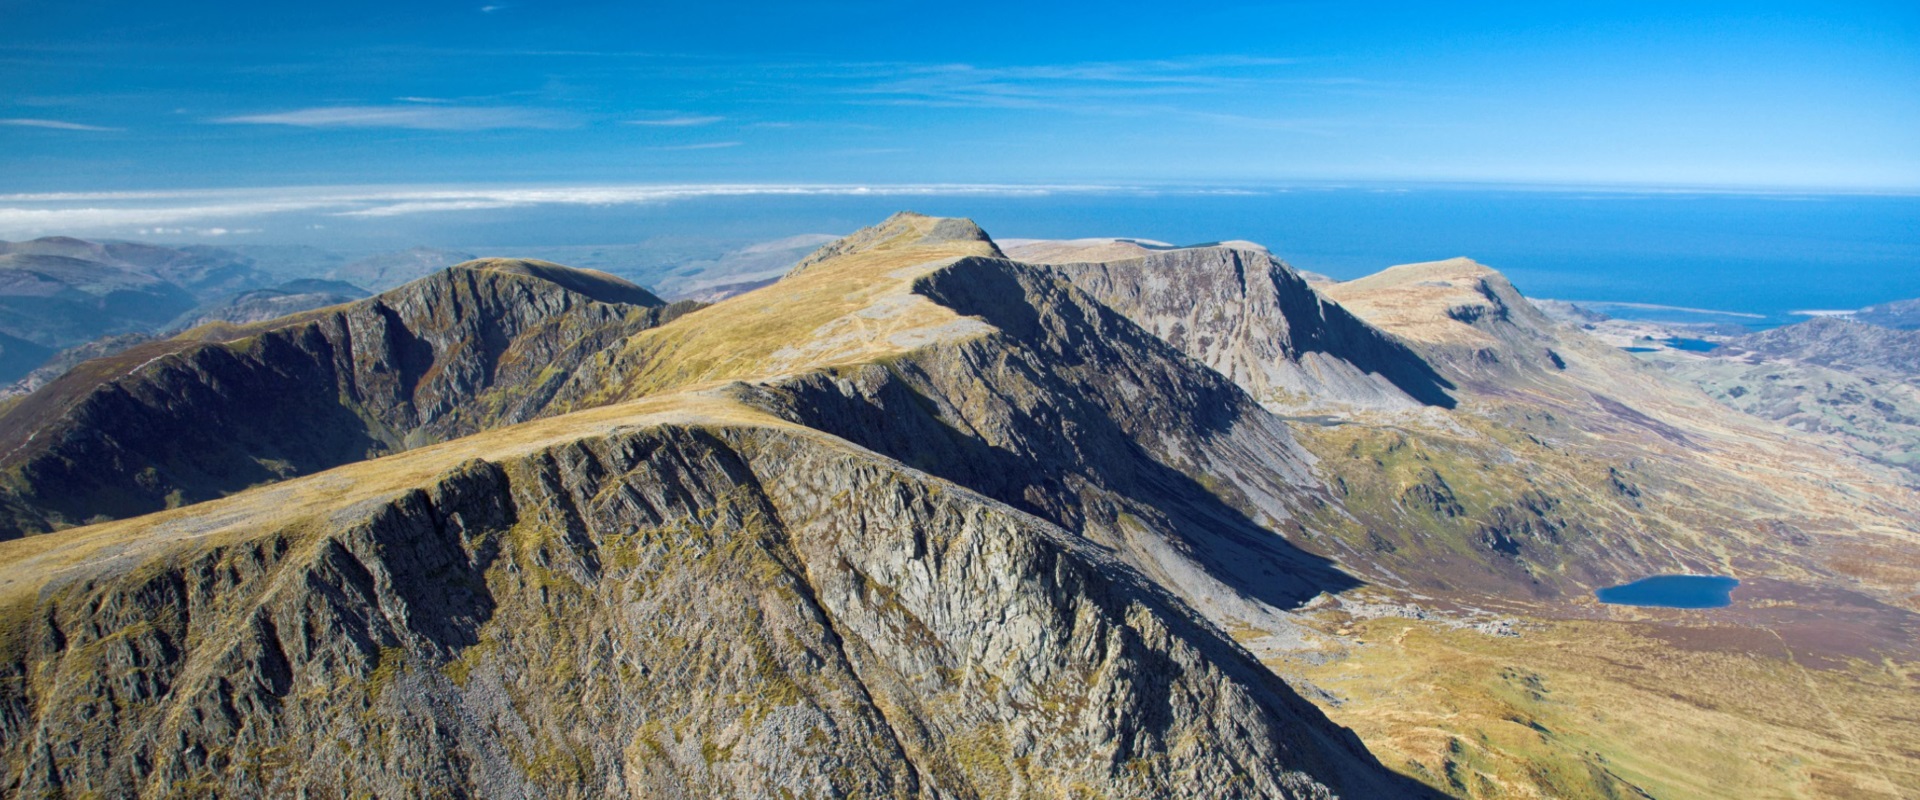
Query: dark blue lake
[[1672, 591], [1693, 345]]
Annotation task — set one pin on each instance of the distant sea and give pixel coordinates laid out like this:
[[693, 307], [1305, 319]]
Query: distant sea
[[1761, 255]]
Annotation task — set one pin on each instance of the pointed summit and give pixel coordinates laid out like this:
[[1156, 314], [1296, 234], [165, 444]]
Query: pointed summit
[[907, 229]]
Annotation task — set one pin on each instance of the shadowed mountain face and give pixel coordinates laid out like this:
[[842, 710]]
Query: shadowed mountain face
[[1252, 318], [672, 592], [222, 408], [1071, 412], [915, 520]]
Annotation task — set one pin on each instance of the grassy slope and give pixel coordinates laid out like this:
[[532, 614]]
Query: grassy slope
[[1672, 705], [1806, 689]]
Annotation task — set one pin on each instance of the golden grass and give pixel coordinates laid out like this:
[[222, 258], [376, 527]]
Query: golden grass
[[1602, 708], [855, 308], [1412, 300], [29, 563]]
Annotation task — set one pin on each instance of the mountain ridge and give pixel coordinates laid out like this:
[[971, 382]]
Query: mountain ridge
[[921, 520], [441, 357]]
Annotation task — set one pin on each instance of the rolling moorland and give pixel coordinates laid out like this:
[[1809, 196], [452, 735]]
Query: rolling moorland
[[930, 517]]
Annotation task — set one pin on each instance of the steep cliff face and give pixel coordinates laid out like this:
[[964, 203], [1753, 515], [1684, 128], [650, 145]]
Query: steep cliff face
[[915, 521], [1256, 321], [700, 603], [221, 408], [915, 339], [1063, 408]]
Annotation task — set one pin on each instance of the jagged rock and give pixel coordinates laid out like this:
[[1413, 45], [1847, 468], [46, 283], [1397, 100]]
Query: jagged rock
[[681, 608], [1257, 321]]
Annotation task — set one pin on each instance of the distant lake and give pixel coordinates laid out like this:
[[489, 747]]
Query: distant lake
[[1672, 591], [1694, 345]]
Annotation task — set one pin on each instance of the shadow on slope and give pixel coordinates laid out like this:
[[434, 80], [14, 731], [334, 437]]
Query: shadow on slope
[[1256, 320], [1077, 415], [223, 407]]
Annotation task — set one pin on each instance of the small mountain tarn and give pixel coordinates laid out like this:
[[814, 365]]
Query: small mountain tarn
[[1672, 591], [921, 520]]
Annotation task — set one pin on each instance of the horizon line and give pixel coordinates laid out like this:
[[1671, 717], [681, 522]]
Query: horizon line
[[963, 187]]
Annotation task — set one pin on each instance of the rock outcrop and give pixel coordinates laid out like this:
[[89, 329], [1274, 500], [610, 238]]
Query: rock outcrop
[[1254, 319], [916, 520], [695, 604]]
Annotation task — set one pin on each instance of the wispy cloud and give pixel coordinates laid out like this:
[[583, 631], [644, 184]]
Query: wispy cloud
[[430, 117], [125, 213], [677, 122], [1057, 86], [196, 231], [698, 146], [54, 124]]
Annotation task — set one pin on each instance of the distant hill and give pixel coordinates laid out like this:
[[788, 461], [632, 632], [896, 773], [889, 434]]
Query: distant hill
[[202, 271], [1839, 342], [224, 406], [686, 267], [1901, 314], [58, 301], [57, 364], [261, 305], [59, 292]]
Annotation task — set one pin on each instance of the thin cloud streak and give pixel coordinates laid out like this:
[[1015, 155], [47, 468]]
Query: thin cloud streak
[[677, 122], [698, 146], [82, 212], [54, 124], [413, 117]]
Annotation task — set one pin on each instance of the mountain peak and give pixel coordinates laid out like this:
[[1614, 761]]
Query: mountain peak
[[1452, 301], [908, 229]]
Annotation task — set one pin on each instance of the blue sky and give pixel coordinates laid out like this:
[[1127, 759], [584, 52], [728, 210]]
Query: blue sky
[[122, 96]]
